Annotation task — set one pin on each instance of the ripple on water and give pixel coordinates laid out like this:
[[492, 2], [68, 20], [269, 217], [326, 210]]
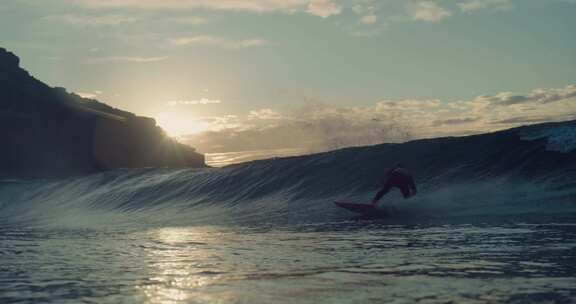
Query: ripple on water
[[355, 264]]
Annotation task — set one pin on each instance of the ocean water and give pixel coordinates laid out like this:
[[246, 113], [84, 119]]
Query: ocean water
[[494, 222], [338, 262]]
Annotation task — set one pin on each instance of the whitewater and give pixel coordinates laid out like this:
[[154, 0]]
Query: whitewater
[[493, 222]]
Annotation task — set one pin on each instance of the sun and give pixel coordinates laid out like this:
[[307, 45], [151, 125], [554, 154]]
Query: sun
[[178, 124]]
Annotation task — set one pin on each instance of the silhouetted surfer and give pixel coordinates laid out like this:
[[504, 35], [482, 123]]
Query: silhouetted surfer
[[397, 177]]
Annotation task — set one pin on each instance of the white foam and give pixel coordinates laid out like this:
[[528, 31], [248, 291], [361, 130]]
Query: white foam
[[559, 138]]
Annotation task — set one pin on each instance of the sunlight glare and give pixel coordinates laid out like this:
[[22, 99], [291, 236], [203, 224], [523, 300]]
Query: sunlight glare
[[177, 124], [179, 258]]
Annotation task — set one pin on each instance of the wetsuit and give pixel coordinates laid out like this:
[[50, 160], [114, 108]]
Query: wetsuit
[[397, 178]]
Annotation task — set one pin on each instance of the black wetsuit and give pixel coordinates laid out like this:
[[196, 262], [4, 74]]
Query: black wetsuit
[[397, 178]]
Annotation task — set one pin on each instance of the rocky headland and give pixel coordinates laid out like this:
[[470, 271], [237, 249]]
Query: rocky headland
[[48, 132]]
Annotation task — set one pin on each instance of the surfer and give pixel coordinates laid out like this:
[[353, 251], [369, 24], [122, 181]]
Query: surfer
[[397, 177]]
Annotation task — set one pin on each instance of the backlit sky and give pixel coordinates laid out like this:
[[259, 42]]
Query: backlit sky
[[259, 74]]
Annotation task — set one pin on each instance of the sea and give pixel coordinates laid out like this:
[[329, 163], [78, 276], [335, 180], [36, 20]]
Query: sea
[[494, 221]]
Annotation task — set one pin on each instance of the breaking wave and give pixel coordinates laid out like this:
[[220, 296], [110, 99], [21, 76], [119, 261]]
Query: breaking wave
[[522, 172]]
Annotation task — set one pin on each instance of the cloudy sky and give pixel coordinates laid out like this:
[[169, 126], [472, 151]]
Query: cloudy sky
[[272, 74]]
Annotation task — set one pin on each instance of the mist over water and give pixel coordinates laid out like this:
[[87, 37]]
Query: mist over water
[[307, 128], [493, 222], [230, 158]]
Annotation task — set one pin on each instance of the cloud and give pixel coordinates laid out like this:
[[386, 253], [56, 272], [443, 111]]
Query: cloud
[[369, 22], [242, 5], [474, 5], [89, 95], [217, 41], [202, 101], [367, 13], [541, 96], [92, 21], [311, 126], [264, 114], [190, 20], [427, 11], [323, 8], [507, 109], [369, 19], [128, 59], [321, 126], [455, 121]]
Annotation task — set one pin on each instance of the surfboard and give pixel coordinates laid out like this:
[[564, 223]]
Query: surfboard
[[363, 209]]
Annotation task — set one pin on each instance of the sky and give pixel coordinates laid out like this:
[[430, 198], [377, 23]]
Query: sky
[[245, 75]]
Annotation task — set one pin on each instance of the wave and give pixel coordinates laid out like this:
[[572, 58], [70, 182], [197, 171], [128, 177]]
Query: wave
[[523, 171]]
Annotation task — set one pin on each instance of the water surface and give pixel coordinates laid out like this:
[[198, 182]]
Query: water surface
[[338, 262]]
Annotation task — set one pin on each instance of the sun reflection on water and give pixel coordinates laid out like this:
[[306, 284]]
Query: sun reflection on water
[[183, 266]]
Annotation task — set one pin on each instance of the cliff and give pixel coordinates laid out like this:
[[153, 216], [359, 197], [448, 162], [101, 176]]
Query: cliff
[[48, 132]]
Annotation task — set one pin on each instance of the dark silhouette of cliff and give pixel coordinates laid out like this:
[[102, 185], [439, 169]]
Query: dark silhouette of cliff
[[48, 132]]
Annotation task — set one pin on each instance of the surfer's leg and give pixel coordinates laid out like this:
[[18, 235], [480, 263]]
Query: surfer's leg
[[381, 193], [412, 186], [405, 191]]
